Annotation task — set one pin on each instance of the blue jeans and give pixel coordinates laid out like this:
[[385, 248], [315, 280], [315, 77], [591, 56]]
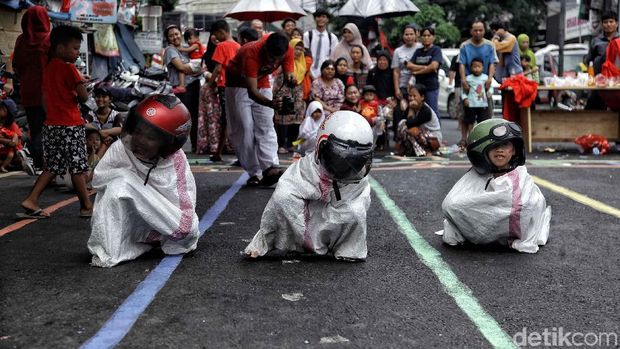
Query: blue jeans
[[431, 98]]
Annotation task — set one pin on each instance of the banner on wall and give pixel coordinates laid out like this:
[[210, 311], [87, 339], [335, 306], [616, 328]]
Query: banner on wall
[[93, 11], [127, 12]]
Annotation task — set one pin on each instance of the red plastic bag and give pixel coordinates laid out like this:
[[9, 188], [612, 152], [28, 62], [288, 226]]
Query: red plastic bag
[[589, 142]]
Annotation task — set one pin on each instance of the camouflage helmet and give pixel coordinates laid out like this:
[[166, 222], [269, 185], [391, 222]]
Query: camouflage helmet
[[487, 135]]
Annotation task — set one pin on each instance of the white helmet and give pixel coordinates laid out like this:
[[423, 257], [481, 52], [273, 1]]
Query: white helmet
[[344, 146]]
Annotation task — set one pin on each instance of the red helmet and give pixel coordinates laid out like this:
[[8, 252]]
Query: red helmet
[[166, 114]]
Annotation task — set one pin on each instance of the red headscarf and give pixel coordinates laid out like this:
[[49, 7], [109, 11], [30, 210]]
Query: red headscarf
[[35, 32], [30, 54]]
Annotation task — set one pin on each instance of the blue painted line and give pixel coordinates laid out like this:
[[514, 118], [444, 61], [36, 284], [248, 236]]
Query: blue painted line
[[119, 324]]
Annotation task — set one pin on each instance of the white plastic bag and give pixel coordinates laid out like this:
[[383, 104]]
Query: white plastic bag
[[130, 217], [511, 210], [303, 215]]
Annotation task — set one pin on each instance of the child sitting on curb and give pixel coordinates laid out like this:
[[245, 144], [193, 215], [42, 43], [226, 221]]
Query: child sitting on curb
[[10, 139]]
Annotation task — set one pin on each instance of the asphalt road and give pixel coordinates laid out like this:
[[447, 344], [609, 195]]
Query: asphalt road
[[50, 297]]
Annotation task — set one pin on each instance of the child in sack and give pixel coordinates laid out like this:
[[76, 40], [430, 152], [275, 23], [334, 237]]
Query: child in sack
[[321, 201], [144, 181], [497, 202]]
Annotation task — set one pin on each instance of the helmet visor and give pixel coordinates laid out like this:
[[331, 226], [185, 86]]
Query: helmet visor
[[346, 161], [499, 132]]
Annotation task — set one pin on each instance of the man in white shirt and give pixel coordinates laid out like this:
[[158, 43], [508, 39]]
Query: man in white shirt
[[320, 41]]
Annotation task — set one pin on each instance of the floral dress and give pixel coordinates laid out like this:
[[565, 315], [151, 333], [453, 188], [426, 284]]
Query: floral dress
[[332, 94], [208, 121]]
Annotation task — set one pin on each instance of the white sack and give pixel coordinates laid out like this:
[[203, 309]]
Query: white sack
[[303, 215], [129, 216], [512, 211]]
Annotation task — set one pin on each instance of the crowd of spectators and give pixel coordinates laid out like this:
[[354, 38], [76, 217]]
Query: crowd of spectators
[[256, 86]]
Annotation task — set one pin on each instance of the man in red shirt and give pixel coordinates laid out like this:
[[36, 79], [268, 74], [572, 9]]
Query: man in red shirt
[[250, 105], [225, 51]]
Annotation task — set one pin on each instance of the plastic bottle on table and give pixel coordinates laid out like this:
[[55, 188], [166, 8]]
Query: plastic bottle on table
[[590, 74]]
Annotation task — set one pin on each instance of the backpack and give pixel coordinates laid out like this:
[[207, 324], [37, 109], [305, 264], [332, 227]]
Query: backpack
[[329, 35]]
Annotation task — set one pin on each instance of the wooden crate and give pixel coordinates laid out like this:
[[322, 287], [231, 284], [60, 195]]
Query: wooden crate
[[565, 126]]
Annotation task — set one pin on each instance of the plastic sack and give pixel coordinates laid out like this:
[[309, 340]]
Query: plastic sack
[[511, 211], [303, 215], [129, 217], [589, 142]]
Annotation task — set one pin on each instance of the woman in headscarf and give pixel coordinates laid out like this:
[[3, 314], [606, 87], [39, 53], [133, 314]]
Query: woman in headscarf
[[342, 71], [350, 37], [29, 59], [287, 121], [524, 49], [382, 77]]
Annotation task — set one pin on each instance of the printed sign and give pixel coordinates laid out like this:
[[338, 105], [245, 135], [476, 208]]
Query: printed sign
[[575, 27], [93, 11], [149, 42]]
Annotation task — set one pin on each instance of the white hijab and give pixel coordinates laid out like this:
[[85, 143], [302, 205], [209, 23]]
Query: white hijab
[[343, 49]]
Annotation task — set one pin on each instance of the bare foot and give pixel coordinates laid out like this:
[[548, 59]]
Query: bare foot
[[30, 205], [86, 213]]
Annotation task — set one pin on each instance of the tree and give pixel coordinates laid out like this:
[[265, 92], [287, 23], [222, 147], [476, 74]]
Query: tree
[[523, 16], [167, 5], [430, 15]]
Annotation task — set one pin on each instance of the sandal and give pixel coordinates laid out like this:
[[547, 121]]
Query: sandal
[[271, 176], [33, 214], [253, 181]]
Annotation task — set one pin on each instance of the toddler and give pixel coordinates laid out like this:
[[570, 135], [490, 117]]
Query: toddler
[[369, 105], [194, 51], [475, 102], [10, 139]]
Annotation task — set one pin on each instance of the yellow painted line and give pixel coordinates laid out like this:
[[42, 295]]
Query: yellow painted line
[[580, 198]]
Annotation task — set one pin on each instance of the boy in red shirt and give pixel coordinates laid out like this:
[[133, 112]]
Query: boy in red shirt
[[251, 115], [225, 51], [64, 135]]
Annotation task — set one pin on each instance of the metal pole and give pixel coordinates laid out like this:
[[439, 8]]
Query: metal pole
[[562, 35]]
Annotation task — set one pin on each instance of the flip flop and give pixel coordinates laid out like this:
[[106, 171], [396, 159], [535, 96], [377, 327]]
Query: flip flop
[[271, 179], [252, 182], [33, 214], [86, 214]]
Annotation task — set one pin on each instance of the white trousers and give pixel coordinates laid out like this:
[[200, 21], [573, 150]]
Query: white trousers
[[251, 130]]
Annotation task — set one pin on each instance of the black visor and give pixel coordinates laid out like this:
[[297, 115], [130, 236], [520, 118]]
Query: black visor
[[345, 160]]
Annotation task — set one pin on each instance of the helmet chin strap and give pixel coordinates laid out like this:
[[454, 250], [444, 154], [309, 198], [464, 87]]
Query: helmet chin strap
[[152, 164], [336, 190]]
